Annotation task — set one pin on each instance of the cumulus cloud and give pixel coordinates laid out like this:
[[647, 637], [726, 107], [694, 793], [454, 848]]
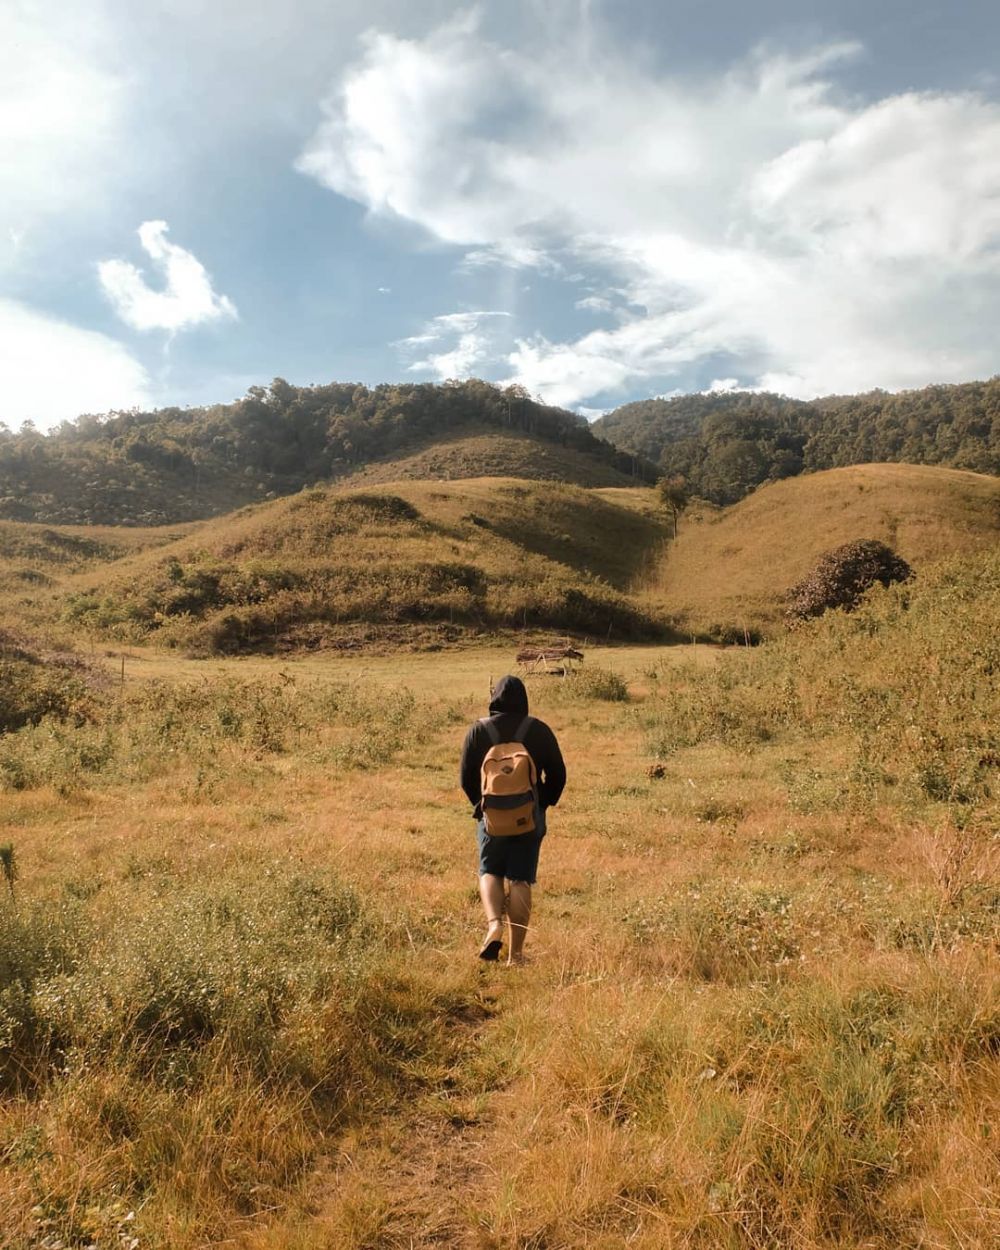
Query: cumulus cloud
[[818, 241], [187, 298], [463, 342], [53, 371]]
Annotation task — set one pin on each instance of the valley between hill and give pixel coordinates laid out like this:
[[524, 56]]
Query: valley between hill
[[730, 568], [433, 563]]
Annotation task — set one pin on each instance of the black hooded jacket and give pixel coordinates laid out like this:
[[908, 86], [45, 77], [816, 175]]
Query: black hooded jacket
[[508, 708]]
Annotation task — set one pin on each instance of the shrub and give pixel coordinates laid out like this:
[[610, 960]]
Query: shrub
[[841, 577], [595, 683], [231, 959], [917, 712], [737, 705], [227, 729], [37, 942], [187, 1039], [33, 687]]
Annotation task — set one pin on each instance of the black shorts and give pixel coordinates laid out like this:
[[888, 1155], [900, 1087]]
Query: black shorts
[[514, 858]]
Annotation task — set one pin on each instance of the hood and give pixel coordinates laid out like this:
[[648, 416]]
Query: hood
[[509, 695]]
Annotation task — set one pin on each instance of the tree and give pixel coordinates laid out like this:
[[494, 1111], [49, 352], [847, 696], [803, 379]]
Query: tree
[[675, 496]]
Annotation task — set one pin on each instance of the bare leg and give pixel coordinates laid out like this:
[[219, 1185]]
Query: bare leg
[[518, 915], [491, 893]]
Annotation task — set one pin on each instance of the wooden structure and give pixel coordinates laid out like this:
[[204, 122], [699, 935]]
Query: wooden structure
[[556, 660]]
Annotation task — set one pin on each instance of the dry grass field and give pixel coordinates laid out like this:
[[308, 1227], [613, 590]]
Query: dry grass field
[[730, 567], [240, 1003], [239, 996]]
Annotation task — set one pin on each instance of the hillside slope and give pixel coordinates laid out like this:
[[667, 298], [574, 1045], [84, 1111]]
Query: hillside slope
[[402, 562], [731, 568], [492, 454], [38, 555]]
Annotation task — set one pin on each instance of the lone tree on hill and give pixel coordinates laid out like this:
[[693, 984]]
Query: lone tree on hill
[[841, 576], [675, 496]]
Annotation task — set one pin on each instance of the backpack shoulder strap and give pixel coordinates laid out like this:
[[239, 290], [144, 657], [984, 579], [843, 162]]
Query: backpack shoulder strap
[[522, 729], [491, 730]]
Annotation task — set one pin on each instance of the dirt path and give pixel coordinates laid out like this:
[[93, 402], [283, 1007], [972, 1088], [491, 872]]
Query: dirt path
[[408, 1180]]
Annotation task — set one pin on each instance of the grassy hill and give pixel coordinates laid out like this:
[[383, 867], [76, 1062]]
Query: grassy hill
[[33, 557], [401, 562], [422, 562], [492, 454], [730, 568]]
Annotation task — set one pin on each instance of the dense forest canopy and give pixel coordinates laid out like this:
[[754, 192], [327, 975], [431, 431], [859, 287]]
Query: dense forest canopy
[[725, 445], [175, 464]]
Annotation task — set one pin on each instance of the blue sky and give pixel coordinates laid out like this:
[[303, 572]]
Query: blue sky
[[601, 200]]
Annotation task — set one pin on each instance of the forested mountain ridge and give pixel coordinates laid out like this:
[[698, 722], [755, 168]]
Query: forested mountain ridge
[[653, 424], [726, 445], [173, 464]]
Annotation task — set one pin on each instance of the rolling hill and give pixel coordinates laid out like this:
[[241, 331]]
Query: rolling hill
[[418, 562], [408, 562], [730, 568], [492, 454]]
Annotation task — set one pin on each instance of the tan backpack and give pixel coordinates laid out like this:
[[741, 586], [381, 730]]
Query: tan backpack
[[509, 784]]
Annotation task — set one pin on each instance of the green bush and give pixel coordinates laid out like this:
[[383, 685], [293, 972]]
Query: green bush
[[596, 683], [38, 941], [918, 711], [188, 1038], [733, 704], [231, 959], [227, 728]]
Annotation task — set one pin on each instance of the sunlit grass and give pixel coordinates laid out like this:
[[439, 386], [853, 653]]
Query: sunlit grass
[[729, 569], [241, 1000]]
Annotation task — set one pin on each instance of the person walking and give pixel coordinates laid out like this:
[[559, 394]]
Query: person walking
[[508, 865]]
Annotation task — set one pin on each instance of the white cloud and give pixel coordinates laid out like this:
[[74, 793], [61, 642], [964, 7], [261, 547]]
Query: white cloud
[[595, 304], [60, 108], [53, 371], [466, 341], [470, 350], [187, 298], [405, 133], [823, 242], [564, 373]]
